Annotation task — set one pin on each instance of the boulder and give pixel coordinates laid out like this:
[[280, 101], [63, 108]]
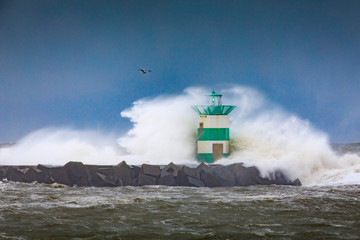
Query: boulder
[[167, 180], [60, 175], [106, 170], [33, 175], [210, 180], [195, 182], [44, 168], [14, 174], [75, 169], [125, 174], [151, 170], [194, 173], [296, 182], [107, 180], [48, 179], [45, 172], [2, 174], [171, 169], [107, 177], [244, 176], [181, 179], [94, 179], [279, 178], [226, 176], [135, 172], [146, 180], [77, 173], [223, 173], [203, 167]]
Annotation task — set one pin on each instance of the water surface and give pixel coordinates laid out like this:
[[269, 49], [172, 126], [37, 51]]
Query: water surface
[[39, 211]]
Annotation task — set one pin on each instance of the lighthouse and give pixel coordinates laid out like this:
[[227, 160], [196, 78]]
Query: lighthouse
[[213, 132]]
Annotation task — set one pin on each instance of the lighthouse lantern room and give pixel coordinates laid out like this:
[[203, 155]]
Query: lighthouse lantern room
[[213, 129]]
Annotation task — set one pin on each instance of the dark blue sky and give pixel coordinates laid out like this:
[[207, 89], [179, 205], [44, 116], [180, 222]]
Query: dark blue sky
[[74, 63]]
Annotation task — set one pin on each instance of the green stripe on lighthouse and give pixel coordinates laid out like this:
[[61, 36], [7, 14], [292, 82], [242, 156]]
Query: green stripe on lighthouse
[[213, 134], [208, 157]]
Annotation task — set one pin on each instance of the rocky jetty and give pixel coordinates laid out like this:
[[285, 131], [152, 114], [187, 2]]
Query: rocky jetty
[[79, 174]]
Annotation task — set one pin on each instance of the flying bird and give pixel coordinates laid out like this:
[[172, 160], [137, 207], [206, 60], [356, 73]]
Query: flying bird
[[144, 71]]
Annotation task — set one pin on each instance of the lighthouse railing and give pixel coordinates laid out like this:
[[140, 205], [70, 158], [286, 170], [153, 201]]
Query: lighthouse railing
[[213, 110]]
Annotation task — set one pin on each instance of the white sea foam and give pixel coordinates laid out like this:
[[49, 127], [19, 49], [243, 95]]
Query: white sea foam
[[268, 137], [57, 146], [164, 130]]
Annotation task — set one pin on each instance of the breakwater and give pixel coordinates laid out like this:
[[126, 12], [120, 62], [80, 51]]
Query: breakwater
[[203, 175]]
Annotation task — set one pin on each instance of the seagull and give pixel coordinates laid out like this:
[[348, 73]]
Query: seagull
[[144, 71]]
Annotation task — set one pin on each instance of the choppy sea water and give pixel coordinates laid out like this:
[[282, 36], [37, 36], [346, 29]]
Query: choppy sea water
[[39, 211]]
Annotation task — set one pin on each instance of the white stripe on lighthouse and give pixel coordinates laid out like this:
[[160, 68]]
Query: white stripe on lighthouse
[[207, 146], [215, 121]]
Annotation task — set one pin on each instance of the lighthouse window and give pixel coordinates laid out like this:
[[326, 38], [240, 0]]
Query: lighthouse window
[[201, 129]]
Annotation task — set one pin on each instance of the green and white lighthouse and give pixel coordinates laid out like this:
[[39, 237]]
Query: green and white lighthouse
[[213, 132]]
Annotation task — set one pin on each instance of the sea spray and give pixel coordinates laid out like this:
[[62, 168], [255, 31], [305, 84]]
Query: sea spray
[[262, 133], [164, 130], [268, 137], [57, 146]]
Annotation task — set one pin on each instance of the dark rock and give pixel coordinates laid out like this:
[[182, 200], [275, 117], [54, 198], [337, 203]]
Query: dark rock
[[279, 178], [48, 179], [194, 173], [105, 170], [146, 180], [135, 171], [3, 170], [14, 174], [152, 170], [125, 174], [195, 182], [2, 174], [44, 168], [244, 176], [103, 176], [82, 181], [75, 169], [108, 180], [60, 175], [45, 171], [170, 169], [203, 167], [167, 180], [77, 173], [122, 163], [210, 180], [226, 176], [33, 174], [91, 171], [296, 182], [181, 179]]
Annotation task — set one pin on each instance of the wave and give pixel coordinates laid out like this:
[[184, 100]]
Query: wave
[[164, 130]]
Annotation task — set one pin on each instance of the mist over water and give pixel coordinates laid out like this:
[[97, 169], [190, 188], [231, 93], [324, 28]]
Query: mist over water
[[164, 130], [57, 146]]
